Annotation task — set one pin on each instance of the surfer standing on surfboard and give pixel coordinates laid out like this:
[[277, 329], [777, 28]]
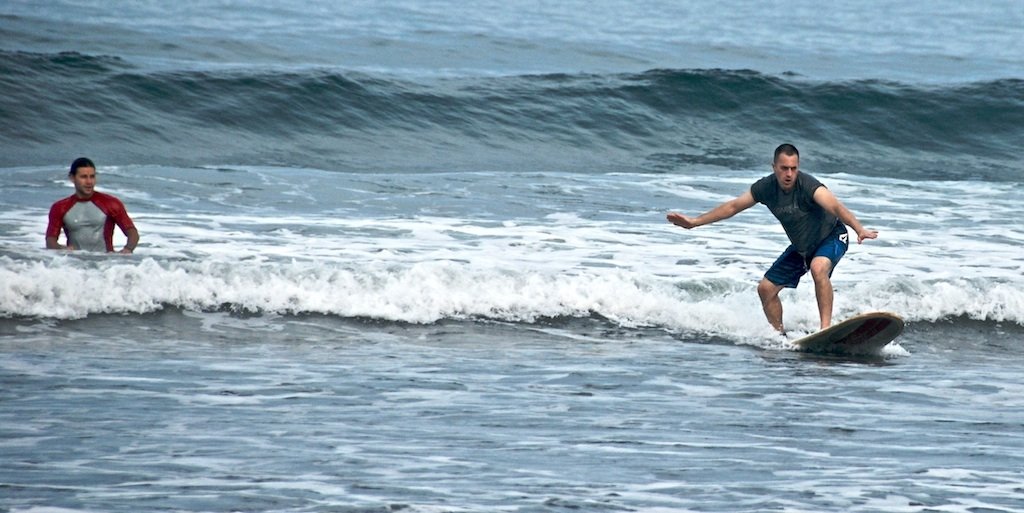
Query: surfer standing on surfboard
[[814, 220]]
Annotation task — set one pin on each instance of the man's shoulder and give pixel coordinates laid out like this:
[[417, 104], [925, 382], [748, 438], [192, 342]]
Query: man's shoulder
[[112, 207], [64, 203], [808, 185], [102, 196], [808, 180], [105, 201], [763, 186]]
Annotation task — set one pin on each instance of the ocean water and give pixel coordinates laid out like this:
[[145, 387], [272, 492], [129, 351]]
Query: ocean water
[[413, 256]]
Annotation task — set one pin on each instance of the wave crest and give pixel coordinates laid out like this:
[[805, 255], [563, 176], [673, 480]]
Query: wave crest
[[428, 292]]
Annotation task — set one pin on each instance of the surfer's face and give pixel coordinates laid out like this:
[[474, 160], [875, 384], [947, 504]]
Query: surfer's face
[[85, 181], [786, 168]]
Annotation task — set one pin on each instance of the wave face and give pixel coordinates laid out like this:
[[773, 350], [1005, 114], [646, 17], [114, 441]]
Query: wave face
[[659, 120]]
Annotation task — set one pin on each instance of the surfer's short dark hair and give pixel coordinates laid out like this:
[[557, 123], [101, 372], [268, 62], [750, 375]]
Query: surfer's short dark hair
[[786, 149], [78, 163]]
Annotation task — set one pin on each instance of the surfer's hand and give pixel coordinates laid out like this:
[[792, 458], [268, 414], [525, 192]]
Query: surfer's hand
[[681, 220], [864, 233]]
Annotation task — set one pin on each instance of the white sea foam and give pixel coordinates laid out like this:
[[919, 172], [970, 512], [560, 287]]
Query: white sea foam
[[614, 257]]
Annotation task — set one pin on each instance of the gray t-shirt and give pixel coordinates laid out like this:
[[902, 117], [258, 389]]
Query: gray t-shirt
[[805, 222], [84, 224]]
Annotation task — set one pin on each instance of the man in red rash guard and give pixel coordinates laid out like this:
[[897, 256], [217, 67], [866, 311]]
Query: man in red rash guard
[[88, 216]]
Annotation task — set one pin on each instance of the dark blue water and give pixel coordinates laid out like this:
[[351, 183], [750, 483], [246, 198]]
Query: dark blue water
[[412, 256], [657, 120]]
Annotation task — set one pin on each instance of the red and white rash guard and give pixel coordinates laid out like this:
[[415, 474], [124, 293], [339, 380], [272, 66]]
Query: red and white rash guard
[[89, 223]]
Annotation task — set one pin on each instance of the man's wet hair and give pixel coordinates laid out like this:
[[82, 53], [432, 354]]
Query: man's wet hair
[[786, 149], [80, 162]]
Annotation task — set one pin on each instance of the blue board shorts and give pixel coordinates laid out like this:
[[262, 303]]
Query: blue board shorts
[[791, 265]]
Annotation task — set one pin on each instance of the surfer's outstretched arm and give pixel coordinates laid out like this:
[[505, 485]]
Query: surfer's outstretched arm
[[830, 203], [723, 211]]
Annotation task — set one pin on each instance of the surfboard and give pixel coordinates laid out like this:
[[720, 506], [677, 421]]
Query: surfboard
[[863, 334]]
